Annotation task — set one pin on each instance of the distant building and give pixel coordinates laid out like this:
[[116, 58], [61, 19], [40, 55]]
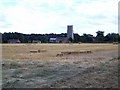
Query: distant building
[[14, 41], [53, 40], [58, 40], [70, 32], [36, 41], [63, 39]]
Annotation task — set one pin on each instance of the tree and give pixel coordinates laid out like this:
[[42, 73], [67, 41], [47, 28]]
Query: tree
[[70, 39], [100, 33], [86, 38], [100, 36], [112, 37], [76, 38], [44, 38]]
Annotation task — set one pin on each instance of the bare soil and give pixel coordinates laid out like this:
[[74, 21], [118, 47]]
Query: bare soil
[[23, 69]]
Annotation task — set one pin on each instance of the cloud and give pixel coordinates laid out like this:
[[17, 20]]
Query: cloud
[[52, 16], [9, 2]]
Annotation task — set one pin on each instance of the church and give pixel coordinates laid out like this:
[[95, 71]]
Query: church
[[70, 35]]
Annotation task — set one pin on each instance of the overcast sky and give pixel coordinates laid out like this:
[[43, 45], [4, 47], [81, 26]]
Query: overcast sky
[[53, 16]]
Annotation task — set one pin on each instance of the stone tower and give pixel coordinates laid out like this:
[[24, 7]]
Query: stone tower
[[70, 32]]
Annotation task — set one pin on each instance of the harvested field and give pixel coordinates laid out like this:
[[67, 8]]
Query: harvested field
[[49, 51], [60, 65]]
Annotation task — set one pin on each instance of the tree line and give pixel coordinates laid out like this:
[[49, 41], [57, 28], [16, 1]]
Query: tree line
[[44, 38]]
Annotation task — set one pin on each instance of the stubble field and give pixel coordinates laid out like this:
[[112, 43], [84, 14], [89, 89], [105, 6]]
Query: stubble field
[[60, 65]]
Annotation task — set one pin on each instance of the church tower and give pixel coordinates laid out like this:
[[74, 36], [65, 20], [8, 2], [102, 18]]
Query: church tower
[[70, 33]]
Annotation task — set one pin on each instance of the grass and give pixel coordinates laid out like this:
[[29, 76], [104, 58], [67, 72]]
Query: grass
[[12, 65], [10, 84], [44, 73], [40, 65], [17, 73]]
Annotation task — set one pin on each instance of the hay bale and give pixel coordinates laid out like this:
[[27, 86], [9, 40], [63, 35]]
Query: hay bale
[[69, 53], [114, 43], [89, 51], [42, 50], [64, 53], [75, 52], [80, 43], [37, 51], [60, 54], [33, 51]]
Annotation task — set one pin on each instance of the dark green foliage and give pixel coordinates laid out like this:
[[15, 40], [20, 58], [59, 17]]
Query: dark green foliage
[[100, 36], [44, 38], [113, 37], [70, 39], [76, 38], [87, 38]]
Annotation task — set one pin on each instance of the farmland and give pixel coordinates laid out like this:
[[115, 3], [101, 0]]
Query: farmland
[[60, 65]]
